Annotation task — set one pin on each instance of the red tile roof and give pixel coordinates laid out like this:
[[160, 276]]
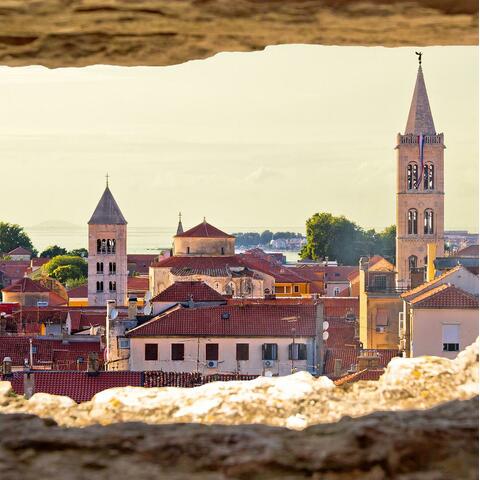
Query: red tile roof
[[183, 291], [26, 285], [347, 354], [470, 251], [410, 294], [38, 261], [248, 320], [212, 266], [137, 284], [338, 274], [340, 307], [18, 348], [19, 251], [141, 261], [204, 229], [78, 292], [280, 273], [445, 296], [79, 386], [340, 333]]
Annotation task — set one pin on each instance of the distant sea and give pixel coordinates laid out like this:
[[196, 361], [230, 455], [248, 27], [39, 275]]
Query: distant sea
[[140, 239]]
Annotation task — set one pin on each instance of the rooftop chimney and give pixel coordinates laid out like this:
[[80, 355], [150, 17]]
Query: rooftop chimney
[[132, 308]]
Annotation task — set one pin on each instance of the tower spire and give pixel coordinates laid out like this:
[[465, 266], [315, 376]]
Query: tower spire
[[420, 120], [106, 178], [180, 226]]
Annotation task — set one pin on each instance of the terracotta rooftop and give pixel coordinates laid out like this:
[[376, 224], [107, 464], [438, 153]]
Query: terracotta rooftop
[[142, 261], [339, 273], [232, 320], [445, 296], [365, 374], [428, 285], [78, 292], [26, 285], [205, 230], [183, 291]]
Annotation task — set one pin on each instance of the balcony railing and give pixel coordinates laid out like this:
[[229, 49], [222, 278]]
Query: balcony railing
[[386, 290]]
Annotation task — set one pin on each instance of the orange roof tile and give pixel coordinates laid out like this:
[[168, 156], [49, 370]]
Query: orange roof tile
[[204, 229], [445, 296]]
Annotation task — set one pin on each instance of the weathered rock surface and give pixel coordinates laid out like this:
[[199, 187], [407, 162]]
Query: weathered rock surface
[[59, 33], [295, 401], [434, 444]]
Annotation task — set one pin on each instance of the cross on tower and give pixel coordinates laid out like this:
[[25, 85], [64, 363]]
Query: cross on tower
[[419, 55], [106, 176]]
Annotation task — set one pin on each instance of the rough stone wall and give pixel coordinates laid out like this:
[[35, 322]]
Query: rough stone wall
[[58, 33]]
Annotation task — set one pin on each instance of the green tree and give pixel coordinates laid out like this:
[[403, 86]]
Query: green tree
[[79, 252], [56, 268], [13, 236], [65, 273], [53, 251], [75, 282], [266, 237], [343, 240]]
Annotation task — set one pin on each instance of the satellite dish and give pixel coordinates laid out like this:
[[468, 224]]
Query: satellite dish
[[148, 296], [147, 309], [325, 335], [113, 314], [325, 325]]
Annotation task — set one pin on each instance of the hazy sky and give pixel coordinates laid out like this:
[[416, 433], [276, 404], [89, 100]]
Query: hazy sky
[[249, 140]]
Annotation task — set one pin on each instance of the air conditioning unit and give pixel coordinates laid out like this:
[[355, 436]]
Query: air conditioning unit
[[212, 363], [268, 363], [381, 329]]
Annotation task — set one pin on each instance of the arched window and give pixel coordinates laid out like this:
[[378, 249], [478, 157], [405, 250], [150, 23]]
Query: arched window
[[428, 222], [412, 222], [104, 246], [112, 286], [412, 176], [99, 286], [428, 177], [412, 262], [99, 246], [99, 267], [113, 243], [112, 268]]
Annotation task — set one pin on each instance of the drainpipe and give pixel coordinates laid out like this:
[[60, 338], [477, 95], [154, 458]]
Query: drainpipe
[[431, 254]]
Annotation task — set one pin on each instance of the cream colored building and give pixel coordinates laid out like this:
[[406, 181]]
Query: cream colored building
[[420, 187], [443, 321], [416, 318], [205, 253], [253, 339]]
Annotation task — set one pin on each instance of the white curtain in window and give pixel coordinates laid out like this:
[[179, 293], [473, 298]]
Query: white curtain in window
[[451, 333]]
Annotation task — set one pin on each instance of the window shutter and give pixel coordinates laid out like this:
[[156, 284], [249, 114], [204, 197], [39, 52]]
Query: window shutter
[[290, 351], [451, 333]]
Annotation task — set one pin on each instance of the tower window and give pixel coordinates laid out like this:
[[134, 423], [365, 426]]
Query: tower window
[[112, 286], [104, 246], [428, 222], [412, 222], [412, 176], [188, 249], [412, 262], [112, 268], [99, 267], [99, 246], [99, 286], [428, 177]]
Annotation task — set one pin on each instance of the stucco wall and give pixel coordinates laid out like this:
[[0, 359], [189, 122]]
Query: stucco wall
[[195, 348], [427, 330], [201, 246]]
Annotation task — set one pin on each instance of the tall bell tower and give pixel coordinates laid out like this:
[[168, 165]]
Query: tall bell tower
[[107, 253], [420, 186]]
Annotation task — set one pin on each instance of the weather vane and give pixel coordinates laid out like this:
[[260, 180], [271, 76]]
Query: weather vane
[[419, 55]]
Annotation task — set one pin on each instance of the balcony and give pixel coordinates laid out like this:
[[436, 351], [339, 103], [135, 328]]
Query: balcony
[[387, 291]]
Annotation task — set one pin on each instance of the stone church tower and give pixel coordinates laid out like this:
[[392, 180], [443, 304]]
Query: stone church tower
[[107, 253], [420, 188]]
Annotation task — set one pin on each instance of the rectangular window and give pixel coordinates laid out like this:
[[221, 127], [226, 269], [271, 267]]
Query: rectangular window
[[297, 351], [178, 351], [151, 351], [451, 338], [242, 351], [269, 351], [380, 282], [211, 351], [296, 288], [279, 289], [124, 343]]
